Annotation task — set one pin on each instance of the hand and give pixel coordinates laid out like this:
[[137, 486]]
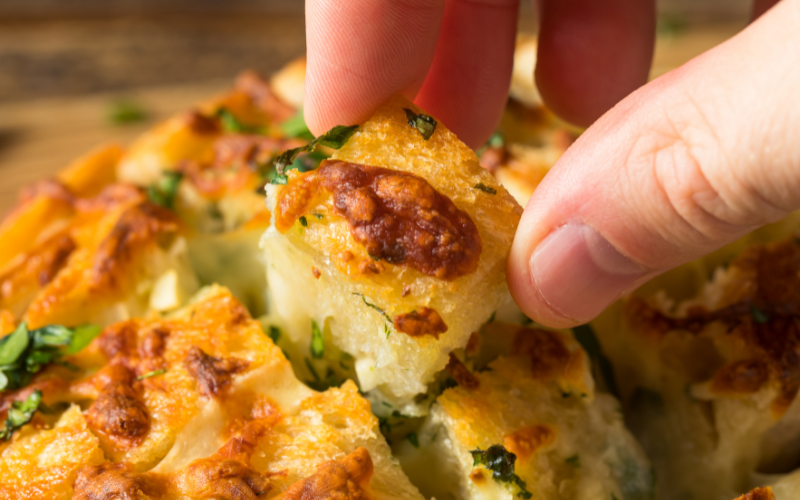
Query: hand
[[682, 166]]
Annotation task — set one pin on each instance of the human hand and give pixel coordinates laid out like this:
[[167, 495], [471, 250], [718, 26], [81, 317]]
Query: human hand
[[682, 166]]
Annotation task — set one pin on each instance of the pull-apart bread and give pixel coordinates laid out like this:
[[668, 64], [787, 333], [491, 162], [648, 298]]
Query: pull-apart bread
[[393, 251]]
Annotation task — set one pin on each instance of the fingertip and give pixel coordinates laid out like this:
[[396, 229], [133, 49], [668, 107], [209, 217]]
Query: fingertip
[[592, 54]]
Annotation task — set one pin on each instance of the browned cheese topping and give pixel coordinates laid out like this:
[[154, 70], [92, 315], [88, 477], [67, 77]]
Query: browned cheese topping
[[118, 414], [38, 267], [762, 312], [137, 226], [226, 475], [345, 479], [549, 356], [461, 374], [758, 494], [526, 441], [419, 323], [213, 375], [398, 217]]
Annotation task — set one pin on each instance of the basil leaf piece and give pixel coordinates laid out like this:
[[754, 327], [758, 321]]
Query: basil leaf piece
[[335, 138], [81, 337], [425, 124], [51, 336], [317, 344], [20, 413], [14, 345]]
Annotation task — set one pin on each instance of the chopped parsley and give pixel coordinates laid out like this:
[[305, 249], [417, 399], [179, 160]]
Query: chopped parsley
[[320, 384], [425, 124], [574, 460], [25, 352], [233, 125], [153, 373], [126, 111], [279, 179], [335, 138], [319, 216], [20, 413], [486, 189], [501, 462], [413, 439], [164, 191], [317, 345], [758, 315], [303, 221]]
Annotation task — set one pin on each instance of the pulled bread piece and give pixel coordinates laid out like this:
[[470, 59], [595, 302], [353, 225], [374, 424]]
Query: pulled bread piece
[[529, 425], [394, 249], [196, 405], [709, 384]]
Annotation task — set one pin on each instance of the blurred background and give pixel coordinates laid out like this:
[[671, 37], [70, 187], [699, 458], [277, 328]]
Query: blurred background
[[78, 73]]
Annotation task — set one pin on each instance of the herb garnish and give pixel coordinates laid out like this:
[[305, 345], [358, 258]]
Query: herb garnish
[[425, 124], [164, 191], [574, 460], [24, 353], [413, 439], [758, 315], [303, 221], [274, 333], [486, 189], [317, 345], [501, 462], [126, 111], [373, 306], [20, 413], [335, 138], [233, 125]]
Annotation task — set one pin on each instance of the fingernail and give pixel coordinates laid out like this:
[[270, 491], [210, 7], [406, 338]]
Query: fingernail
[[578, 273]]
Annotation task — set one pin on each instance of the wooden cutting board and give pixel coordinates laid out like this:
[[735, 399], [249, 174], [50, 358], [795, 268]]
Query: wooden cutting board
[[40, 136]]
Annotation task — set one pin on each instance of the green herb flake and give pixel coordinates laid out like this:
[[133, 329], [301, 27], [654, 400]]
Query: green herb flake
[[373, 306], [388, 405], [126, 111], [486, 189], [279, 179], [164, 191], [20, 413], [311, 369], [303, 221], [274, 334], [586, 337], [233, 125], [335, 138], [574, 460], [413, 439], [319, 216], [25, 352], [501, 462], [758, 315], [425, 124], [154, 373], [317, 344], [492, 318]]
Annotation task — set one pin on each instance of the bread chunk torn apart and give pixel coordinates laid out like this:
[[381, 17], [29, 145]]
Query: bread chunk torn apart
[[395, 248]]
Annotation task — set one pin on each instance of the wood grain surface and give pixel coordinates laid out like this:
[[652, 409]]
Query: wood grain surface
[[40, 135]]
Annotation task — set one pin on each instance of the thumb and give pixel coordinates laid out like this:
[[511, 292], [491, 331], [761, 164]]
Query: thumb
[[686, 164]]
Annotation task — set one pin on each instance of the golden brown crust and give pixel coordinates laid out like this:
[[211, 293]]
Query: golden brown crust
[[113, 481], [396, 216], [461, 374], [418, 323], [345, 479], [548, 355], [138, 226], [35, 269], [118, 415], [213, 374]]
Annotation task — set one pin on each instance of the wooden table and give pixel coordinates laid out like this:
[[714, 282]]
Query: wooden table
[[39, 135]]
